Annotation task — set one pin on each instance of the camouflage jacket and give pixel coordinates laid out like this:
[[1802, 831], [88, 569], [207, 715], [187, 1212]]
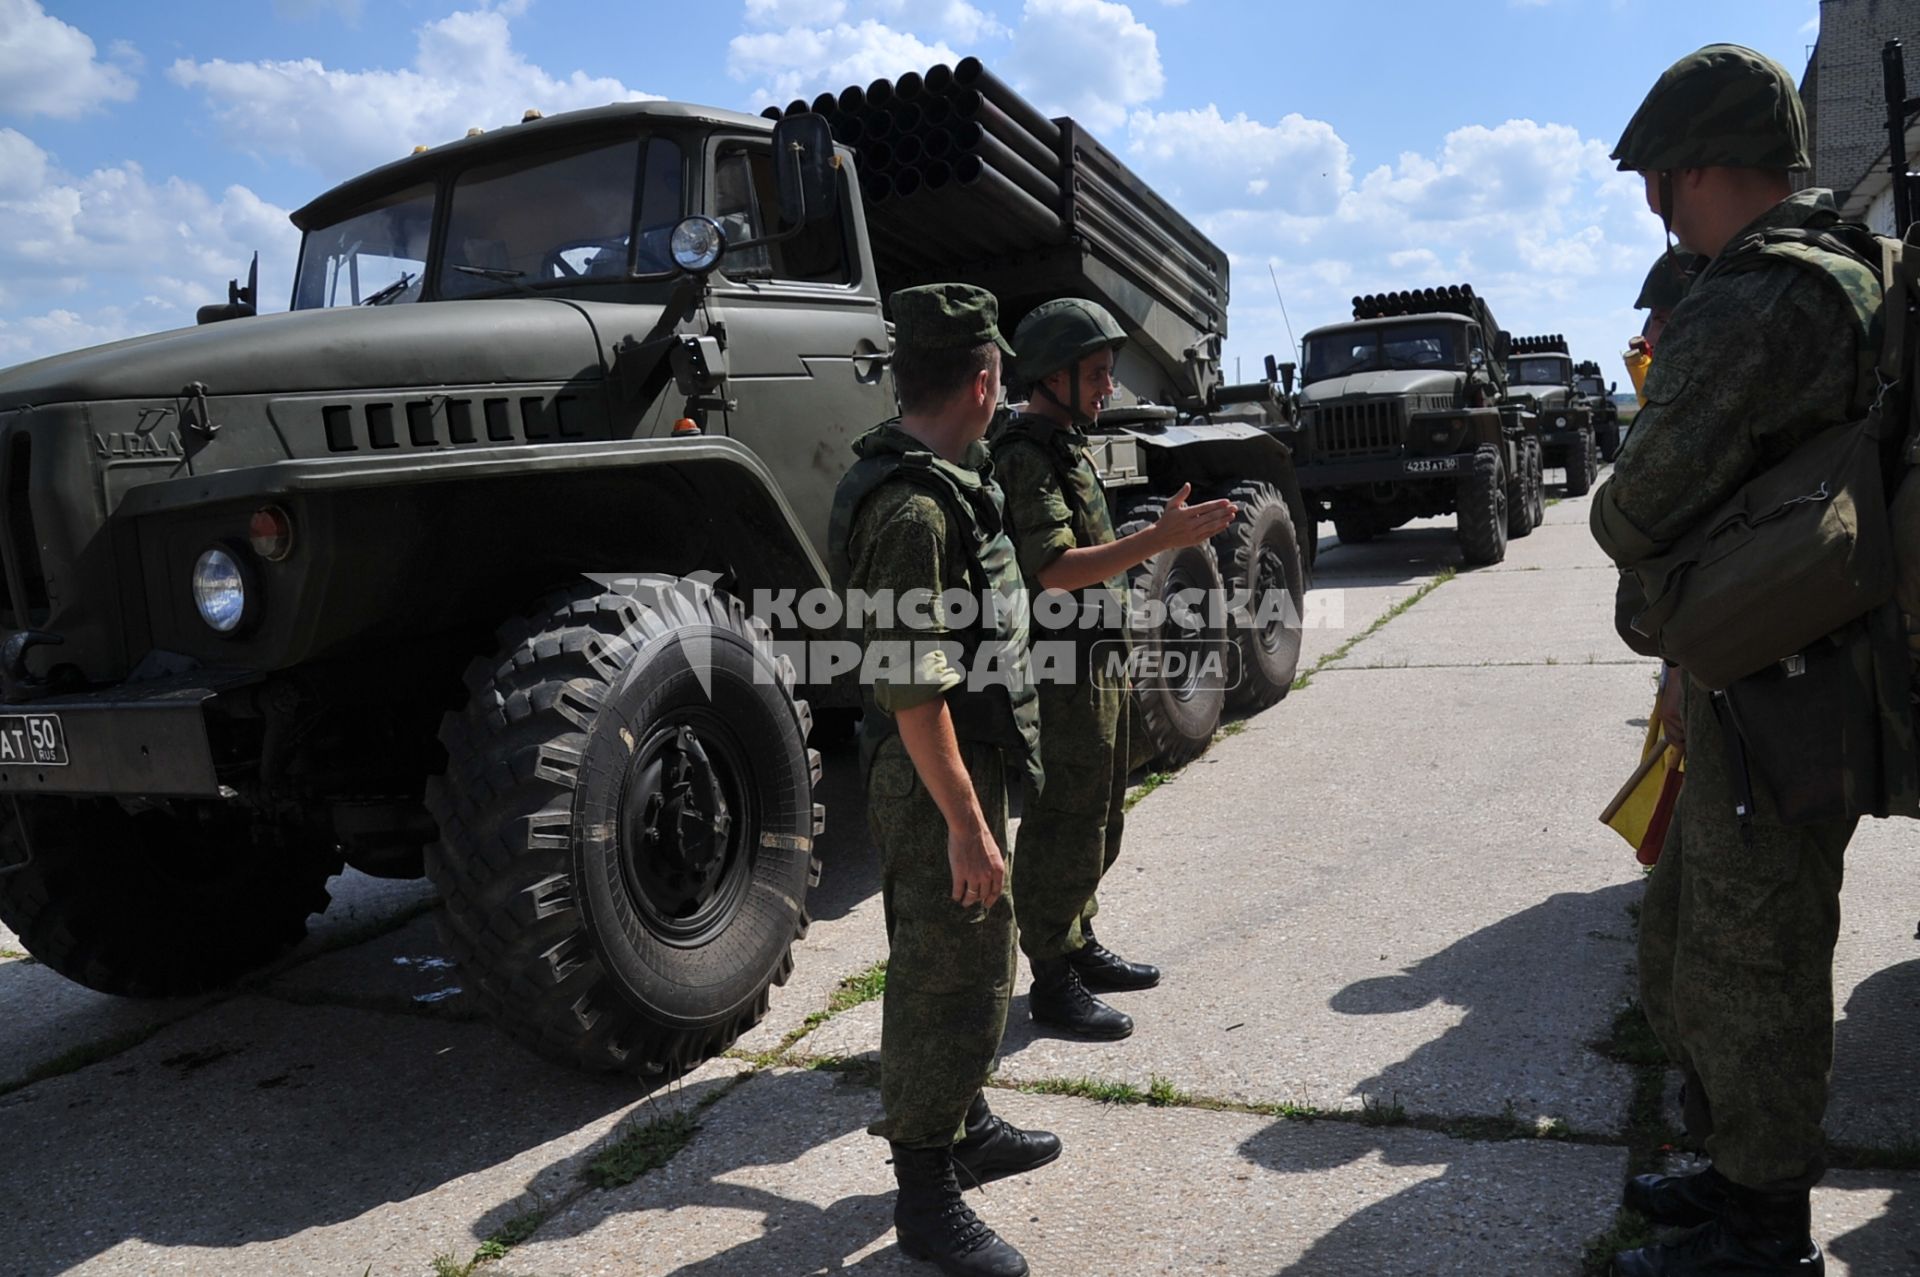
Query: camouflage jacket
[[1055, 503], [1759, 357]]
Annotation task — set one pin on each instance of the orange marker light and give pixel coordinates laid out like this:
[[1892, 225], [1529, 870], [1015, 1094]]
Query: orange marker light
[[686, 426]]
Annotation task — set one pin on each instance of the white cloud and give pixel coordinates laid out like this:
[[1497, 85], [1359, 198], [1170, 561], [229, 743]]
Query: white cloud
[[100, 239], [1090, 59], [465, 73], [1298, 165], [800, 61], [48, 67]]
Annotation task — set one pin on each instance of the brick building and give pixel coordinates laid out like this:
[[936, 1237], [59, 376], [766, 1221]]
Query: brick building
[[1846, 108]]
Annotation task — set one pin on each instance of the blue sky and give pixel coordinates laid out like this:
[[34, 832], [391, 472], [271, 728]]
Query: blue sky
[[146, 150]]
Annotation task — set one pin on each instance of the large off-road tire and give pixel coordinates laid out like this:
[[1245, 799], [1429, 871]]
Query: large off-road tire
[[1483, 508], [1582, 463], [156, 905], [1537, 466], [1259, 557], [1183, 687], [1607, 438], [626, 825], [1520, 496]]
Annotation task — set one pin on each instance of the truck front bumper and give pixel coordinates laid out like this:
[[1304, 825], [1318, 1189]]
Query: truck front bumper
[[143, 739], [1353, 474]]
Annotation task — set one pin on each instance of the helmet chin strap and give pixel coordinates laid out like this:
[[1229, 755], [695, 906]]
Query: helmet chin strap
[[1075, 413], [1666, 218]]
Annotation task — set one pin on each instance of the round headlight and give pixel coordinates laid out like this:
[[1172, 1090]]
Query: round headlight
[[1560, 422], [697, 245], [219, 590]]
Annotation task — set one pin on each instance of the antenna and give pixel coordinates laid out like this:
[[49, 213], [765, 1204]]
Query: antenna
[[1283, 307]]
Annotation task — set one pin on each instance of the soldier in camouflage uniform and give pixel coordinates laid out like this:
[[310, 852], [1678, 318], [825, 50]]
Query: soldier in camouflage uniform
[[1741, 914], [919, 511], [1057, 511]]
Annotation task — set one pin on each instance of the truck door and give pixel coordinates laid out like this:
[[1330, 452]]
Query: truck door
[[805, 343]]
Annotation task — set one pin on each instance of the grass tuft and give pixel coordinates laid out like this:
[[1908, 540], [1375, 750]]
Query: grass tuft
[[1148, 783], [862, 986], [1375, 1111], [85, 1054], [1379, 622], [1164, 1094], [645, 1148], [1087, 1088], [1630, 1230]]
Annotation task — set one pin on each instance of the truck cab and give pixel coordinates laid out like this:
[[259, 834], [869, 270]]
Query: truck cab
[[1540, 376]]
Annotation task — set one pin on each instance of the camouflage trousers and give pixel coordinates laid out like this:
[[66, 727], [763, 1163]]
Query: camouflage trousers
[[1070, 830], [949, 969], [1736, 968]]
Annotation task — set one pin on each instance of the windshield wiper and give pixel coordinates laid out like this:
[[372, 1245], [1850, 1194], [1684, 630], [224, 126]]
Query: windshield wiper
[[390, 292], [493, 272]]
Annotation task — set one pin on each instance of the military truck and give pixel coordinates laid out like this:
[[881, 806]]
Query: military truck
[[480, 561], [1540, 376], [1403, 414], [964, 179], [1598, 393]]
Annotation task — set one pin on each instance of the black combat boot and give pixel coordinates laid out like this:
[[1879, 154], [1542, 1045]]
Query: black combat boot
[[1681, 1201], [993, 1149], [1059, 998], [934, 1223], [1104, 971], [1755, 1235]]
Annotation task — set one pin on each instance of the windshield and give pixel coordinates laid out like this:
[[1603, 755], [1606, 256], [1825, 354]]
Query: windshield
[[1424, 344], [1540, 371], [1591, 386], [377, 255], [559, 217]]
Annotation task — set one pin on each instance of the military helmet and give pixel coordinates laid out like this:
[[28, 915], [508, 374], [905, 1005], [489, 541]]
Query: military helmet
[[1668, 281], [1721, 106], [1060, 333]]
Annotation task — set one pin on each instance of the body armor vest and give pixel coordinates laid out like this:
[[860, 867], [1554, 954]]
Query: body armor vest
[[1065, 450], [999, 704]]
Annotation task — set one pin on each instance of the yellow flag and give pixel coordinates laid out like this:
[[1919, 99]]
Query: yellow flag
[[1642, 810]]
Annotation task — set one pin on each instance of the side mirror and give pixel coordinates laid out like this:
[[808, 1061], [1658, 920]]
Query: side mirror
[[1287, 372], [806, 170], [1502, 345], [1613, 388], [1273, 369], [241, 303]]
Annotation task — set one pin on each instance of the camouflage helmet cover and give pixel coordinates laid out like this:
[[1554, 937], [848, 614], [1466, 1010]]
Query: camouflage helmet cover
[[1720, 106], [1060, 333], [1668, 281]]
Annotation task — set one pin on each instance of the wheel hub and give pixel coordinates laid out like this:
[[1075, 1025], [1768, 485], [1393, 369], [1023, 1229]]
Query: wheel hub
[[678, 846]]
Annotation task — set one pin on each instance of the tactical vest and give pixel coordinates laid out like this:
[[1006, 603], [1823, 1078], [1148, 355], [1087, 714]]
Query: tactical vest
[[1064, 449], [999, 707]]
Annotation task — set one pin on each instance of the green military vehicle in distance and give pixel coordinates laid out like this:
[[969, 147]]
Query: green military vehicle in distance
[[490, 559], [1540, 377], [1403, 414], [1599, 393]]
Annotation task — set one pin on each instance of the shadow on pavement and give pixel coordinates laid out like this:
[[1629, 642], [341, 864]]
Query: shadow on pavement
[[1503, 977], [1404, 554], [849, 865], [1873, 1058]]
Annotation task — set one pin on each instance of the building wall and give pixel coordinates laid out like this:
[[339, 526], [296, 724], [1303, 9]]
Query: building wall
[[1849, 116]]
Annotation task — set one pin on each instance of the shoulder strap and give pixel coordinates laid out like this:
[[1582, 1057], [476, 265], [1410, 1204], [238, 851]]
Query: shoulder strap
[[972, 518]]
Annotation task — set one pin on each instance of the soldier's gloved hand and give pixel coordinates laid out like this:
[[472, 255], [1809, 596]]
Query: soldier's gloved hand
[[979, 870], [1181, 524]]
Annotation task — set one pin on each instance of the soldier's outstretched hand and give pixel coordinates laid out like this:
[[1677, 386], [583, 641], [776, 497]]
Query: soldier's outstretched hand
[[1181, 524], [979, 870]]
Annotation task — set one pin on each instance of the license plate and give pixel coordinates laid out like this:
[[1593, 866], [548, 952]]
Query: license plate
[[34, 739], [1432, 465]]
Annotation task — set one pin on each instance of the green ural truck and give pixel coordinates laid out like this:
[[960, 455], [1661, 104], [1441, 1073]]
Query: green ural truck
[[1403, 414], [1540, 375], [482, 561], [1598, 392]]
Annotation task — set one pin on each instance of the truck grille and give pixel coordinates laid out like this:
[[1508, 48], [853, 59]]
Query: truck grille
[[1370, 428], [26, 579]]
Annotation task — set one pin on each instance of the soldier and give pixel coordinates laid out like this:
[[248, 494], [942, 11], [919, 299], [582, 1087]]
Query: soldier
[[920, 511], [1742, 911], [1665, 286], [1057, 512]]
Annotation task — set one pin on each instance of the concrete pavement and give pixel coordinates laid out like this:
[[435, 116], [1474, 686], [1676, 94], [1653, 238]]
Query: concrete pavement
[[1394, 935]]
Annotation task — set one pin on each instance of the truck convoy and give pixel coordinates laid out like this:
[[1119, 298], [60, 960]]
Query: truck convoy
[[1540, 375], [454, 567], [1404, 413], [1599, 393]]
